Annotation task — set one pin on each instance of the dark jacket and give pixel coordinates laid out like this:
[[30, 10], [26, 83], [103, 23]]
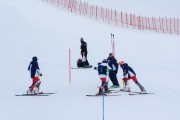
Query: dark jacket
[[82, 64], [33, 68], [102, 69], [127, 70], [83, 46], [112, 62]]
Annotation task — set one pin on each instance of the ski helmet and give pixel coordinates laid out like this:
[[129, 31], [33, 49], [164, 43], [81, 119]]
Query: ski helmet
[[110, 55], [81, 39], [80, 59], [121, 62], [34, 58], [98, 63], [104, 61]]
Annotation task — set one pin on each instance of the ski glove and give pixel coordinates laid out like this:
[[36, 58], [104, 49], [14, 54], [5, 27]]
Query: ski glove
[[124, 73], [107, 70]]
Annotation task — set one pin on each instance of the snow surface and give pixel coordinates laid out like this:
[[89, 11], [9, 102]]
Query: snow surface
[[35, 28]]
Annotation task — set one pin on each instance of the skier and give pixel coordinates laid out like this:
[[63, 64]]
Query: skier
[[80, 63], [83, 47], [83, 62], [103, 70], [35, 75], [128, 74], [112, 62]]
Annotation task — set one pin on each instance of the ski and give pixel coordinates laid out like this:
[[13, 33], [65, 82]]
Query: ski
[[131, 92], [82, 67], [42, 93], [37, 94], [138, 93], [31, 95], [102, 95], [113, 91], [121, 90], [110, 90]]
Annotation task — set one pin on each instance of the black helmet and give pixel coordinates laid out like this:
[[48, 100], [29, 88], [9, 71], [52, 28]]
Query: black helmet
[[104, 61], [98, 63], [34, 58], [82, 40], [110, 54]]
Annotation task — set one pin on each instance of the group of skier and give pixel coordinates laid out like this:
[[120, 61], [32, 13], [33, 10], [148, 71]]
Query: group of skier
[[107, 69]]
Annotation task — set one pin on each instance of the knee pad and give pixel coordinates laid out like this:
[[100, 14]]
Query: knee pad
[[134, 79]]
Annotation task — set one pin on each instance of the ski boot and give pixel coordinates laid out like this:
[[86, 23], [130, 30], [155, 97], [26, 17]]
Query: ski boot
[[116, 86], [126, 89], [143, 91], [30, 92]]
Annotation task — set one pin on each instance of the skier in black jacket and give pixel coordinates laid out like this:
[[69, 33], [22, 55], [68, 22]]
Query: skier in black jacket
[[112, 62], [83, 62], [35, 74]]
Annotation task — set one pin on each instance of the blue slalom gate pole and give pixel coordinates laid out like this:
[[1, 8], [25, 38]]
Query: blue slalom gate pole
[[103, 106]]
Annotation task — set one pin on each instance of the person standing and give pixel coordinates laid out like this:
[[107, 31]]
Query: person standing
[[83, 48], [128, 73], [35, 75], [112, 62]]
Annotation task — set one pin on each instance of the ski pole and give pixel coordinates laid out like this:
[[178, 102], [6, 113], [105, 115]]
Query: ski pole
[[103, 92]]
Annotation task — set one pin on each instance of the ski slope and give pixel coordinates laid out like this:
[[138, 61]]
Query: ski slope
[[34, 28]]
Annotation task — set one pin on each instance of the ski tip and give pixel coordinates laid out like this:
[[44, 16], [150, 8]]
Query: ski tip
[[86, 67]]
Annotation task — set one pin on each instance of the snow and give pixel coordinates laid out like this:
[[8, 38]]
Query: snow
[[35, 28]]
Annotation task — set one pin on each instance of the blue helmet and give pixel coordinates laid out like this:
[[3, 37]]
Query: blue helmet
[[104, 61], [34, 58]]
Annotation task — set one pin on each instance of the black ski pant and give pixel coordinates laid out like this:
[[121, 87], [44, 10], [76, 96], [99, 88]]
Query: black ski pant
[[113, 78], [85, 54]]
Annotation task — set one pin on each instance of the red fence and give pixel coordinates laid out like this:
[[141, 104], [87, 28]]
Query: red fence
[[161, 24]]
